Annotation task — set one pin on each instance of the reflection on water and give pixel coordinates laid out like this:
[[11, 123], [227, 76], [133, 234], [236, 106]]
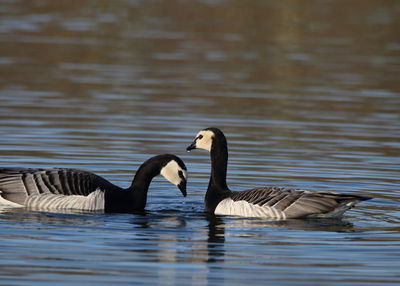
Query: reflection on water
[[155, 247], [308, 96]]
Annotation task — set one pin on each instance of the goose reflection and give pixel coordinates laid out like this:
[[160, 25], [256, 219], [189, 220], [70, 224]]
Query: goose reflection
[[253, 226], [216, 238]]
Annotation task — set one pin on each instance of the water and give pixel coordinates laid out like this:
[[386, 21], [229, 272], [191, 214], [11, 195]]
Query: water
[[308, 96]]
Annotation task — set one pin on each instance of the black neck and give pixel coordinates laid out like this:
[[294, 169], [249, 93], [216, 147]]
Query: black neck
[[133, 198], [141, 182], [219, 163], [217, 187]]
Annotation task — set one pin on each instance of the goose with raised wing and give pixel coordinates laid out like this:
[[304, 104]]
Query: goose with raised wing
[[74, 189], [266, 202]]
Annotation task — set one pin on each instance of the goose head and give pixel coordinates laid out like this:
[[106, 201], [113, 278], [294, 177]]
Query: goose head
[[174, 170], [205, 138]]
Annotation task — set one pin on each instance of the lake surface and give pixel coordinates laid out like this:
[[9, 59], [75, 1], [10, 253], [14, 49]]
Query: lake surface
[[307, 95]]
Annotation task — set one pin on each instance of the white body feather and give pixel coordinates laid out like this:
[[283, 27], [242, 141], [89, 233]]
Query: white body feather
[[92, 202], [7, 203], [246, 209]]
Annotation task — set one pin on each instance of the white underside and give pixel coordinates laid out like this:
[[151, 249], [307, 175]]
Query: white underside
[[246, 209], [7, 203], [92, 202]]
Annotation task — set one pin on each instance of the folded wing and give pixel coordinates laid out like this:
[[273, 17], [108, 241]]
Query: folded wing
[[292, 203], [17, 184]]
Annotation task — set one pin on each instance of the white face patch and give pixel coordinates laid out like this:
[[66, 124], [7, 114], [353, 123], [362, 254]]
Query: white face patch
[[171, 172], [204, 139]]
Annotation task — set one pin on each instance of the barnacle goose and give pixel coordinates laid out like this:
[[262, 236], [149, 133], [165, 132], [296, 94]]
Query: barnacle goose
[[74, 189], [266, 202]]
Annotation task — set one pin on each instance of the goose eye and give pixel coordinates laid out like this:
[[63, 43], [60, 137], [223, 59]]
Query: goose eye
[[180, 173], [200, 137]]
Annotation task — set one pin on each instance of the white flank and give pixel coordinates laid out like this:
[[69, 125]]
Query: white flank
[[170, 172], [246, 209], [92, 202], [206, 139], [7, 203]]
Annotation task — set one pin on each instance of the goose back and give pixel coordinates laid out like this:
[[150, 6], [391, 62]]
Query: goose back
[[16, 184]]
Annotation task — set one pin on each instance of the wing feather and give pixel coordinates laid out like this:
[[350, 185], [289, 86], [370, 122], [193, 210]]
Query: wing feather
[[296, 203], [16, 184]]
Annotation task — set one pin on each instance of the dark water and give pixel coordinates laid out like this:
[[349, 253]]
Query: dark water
[[307, 94]]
